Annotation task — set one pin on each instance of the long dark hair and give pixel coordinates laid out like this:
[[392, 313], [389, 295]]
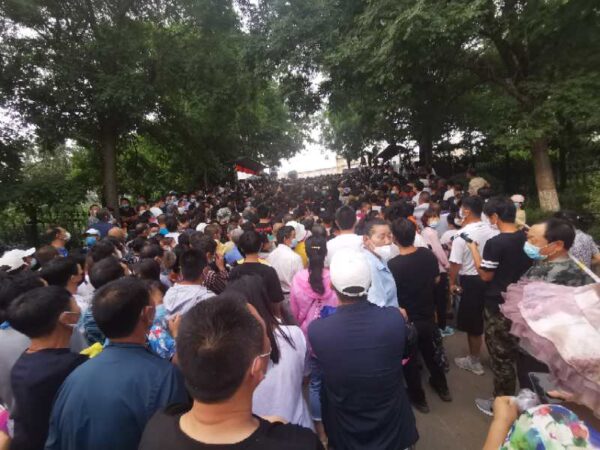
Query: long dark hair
[[252, 288], [316, 250]]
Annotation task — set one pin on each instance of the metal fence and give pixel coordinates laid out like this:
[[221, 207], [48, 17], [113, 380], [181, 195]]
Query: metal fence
[[18, 230]]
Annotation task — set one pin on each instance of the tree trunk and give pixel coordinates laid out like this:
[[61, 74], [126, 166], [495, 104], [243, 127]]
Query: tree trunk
[[562, 167], [108, 146], [544, 177], [426, 148]]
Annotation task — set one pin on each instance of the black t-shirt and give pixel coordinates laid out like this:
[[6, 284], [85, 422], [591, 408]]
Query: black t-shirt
[[163, 433], [415, 276], [264, 228], [36, 378], [503, 254], [267, 273]]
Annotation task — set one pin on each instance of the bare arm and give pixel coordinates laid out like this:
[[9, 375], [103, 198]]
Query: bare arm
[[505, 413], [453, 275], [485, 275]]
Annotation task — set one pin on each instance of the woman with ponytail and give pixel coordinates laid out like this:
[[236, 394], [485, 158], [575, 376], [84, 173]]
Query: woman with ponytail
[[310, 292]]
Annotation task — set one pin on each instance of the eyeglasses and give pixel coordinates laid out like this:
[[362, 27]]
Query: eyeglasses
[[265, 355]]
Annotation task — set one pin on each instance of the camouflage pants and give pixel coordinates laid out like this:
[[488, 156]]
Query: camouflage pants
[[502, 347]]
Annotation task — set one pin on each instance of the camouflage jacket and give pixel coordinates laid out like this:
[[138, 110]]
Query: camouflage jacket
[[564, 272]]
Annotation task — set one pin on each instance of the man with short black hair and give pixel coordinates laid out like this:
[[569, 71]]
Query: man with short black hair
[[191, 290], [286, 262], [503, 262], [12, 342], [102, 273], [224, 354], [66, 273], [472, 287], [249, 244], [416, 272], [264, 225], [345, 218], [360, 350], [105, 403], [47, 316], [422, 206], [58, 237], [103, 225], [548, 245]]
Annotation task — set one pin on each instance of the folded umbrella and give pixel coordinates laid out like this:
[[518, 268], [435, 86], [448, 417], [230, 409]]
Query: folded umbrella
[[560, 326]]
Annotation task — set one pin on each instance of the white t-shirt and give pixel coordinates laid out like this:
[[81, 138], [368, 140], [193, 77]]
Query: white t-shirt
[[447, 237], [156, 211], [287, 263], [448, 194], [343, 241], [480, 232], [419, 242], [280, 393], [175, 235]]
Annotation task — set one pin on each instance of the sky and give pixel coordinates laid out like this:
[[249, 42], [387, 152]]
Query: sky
[[313, 156]]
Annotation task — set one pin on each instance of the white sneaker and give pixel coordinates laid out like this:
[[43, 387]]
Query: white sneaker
[[466, 363], [485, 405]]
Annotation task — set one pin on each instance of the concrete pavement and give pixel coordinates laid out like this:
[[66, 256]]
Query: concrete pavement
[[458, 425]]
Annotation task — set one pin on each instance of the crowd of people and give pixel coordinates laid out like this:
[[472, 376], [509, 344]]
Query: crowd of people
[[271, 314]]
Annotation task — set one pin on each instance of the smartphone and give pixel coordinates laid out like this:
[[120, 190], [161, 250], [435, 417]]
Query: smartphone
[[542, 384], [466, 237]]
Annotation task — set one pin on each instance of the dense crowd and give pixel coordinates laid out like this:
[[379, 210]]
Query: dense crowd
[[272, 314]]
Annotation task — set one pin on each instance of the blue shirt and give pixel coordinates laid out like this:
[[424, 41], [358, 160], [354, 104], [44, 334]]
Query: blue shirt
[[360, 350], [103, 228], [383, 287], [233, 256], [106, 402]]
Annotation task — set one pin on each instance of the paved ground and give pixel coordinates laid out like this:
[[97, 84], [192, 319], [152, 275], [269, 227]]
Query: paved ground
[[457, 425]]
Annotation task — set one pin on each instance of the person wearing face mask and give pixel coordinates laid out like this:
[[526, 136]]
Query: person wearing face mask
[[58, 238], [68, 274], [47, 316], [415, 273], [301, 235], [92, 215], [127, 214], [548, 245], [377, 248], [215, 274], [99, 407], [502, 263], [224, 353], [431, 221], [91, 238], [472, 287], [286, 262], [521, 219]]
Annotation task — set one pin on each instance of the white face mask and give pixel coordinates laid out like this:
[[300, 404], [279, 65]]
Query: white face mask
[[67, 236], [491, 225], [181, 210], [384, 252]]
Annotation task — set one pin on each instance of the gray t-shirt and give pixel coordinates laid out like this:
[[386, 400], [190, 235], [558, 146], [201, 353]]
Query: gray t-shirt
[[12, 345]]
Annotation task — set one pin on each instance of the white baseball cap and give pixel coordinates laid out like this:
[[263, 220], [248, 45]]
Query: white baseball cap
[[13, 259], [300, 229], [517, 198], [350, 273], [93, 231]]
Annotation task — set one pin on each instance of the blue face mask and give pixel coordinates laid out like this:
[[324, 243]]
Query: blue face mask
[[294, 243], [533, 252], [90, 241]]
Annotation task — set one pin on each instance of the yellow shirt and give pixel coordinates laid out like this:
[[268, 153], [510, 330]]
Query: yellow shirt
[[301, 250]]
